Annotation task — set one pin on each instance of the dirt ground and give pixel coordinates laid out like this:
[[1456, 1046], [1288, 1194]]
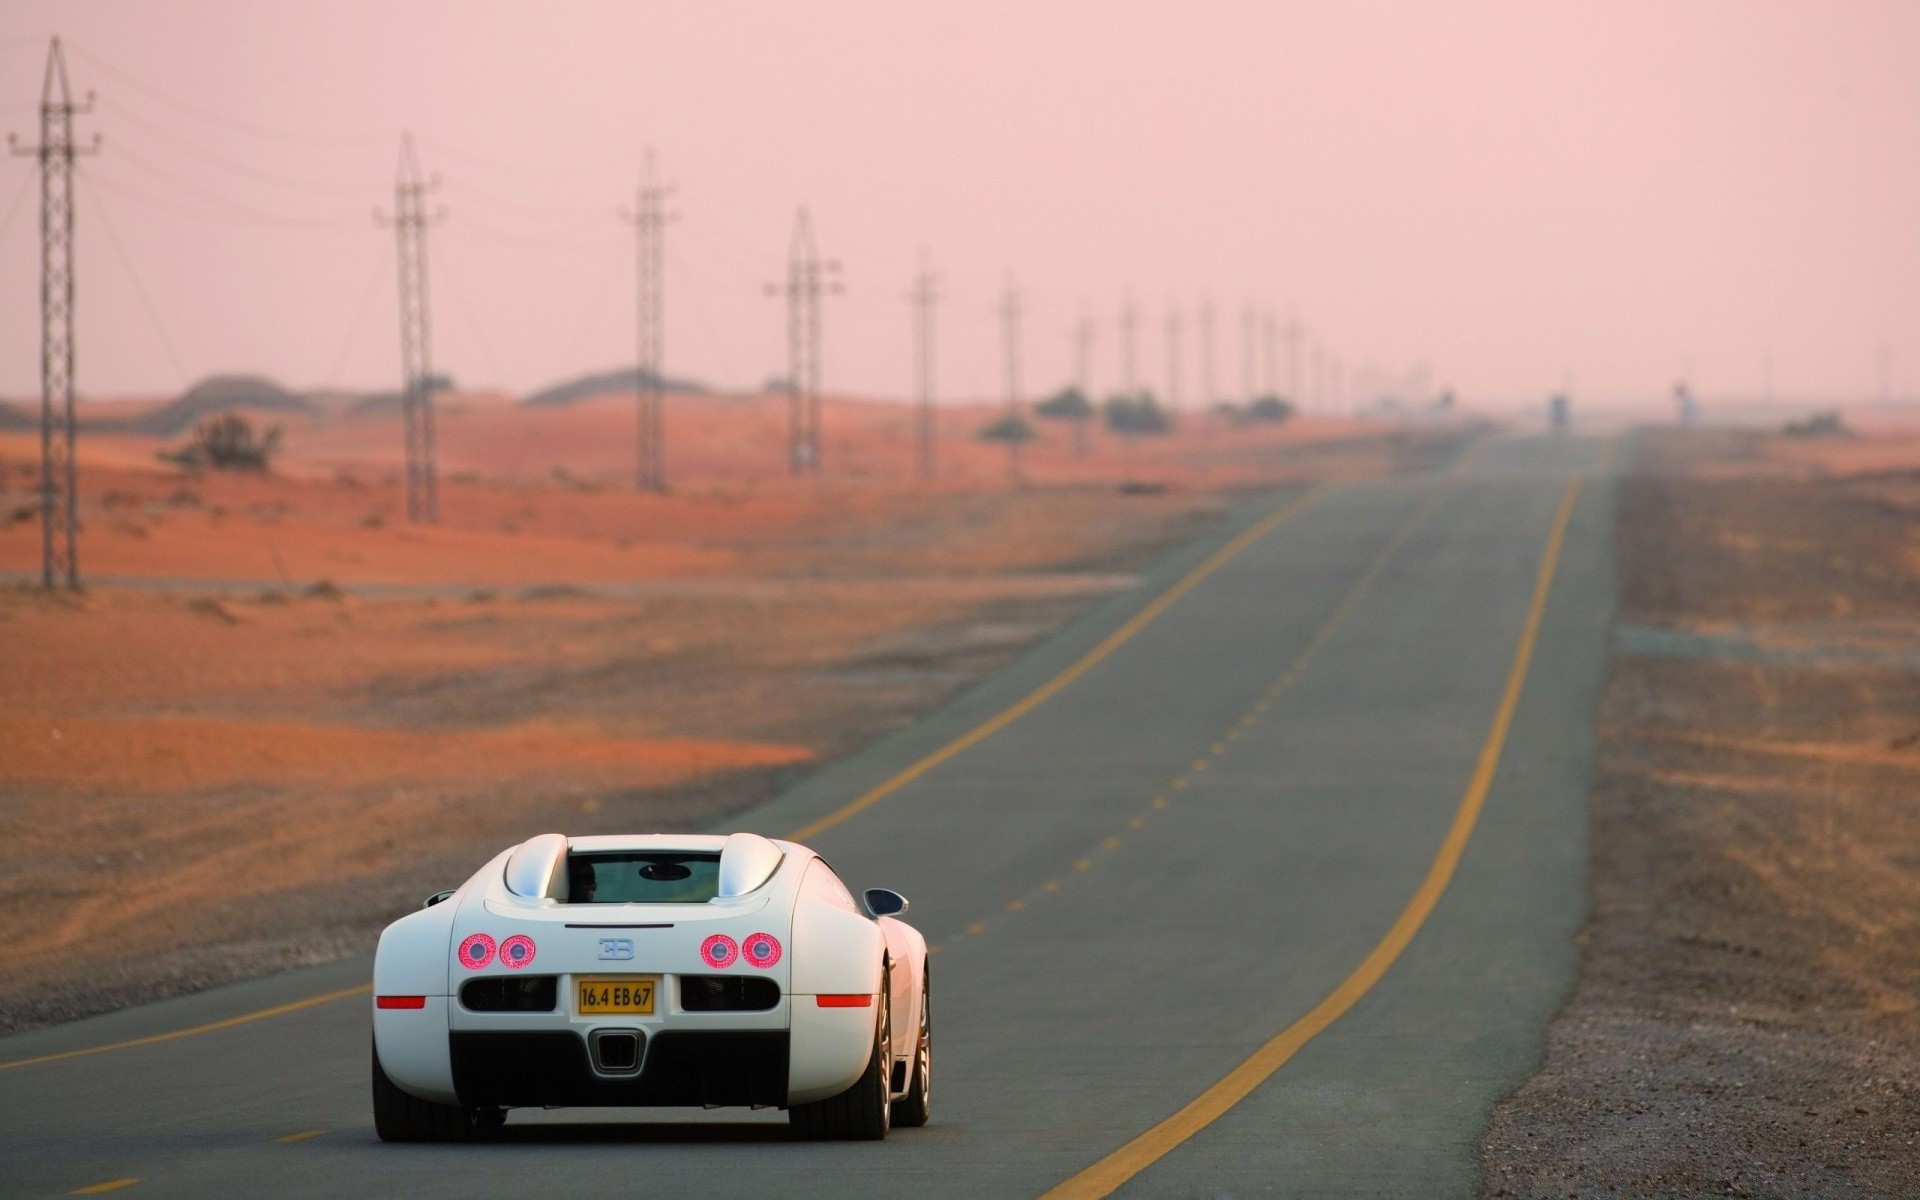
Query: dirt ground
[[290, 716], [1747, 1018]]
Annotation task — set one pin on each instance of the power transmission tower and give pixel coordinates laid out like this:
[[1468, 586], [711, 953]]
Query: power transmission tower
[[1319, 376], [1129, 318], [925, 428], [1247, 320], [59, 471], [1294, 330], [649, 217], [1173, 365], [1082, 380], [1010, 321], [1207, 398], [410, 222], [1270, 340], [807, 281]]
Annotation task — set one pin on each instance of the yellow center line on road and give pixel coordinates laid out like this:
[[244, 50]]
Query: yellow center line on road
[[1348, 602], [873, 796], [101, 1189], [1102, 1178], [305, 1135], [210, 1027], [1085, 663]]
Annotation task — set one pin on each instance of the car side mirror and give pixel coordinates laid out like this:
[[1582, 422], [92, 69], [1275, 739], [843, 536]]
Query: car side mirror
[[884, 903], [437, 897]]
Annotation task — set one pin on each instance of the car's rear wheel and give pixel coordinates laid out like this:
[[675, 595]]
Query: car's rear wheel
[[862, 1113], [911, 1110], [399, 1117]]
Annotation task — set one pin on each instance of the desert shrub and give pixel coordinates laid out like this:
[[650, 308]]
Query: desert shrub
[[1136, 414], [1067, 404], [1269, 408], [1012, 428], [1820, 424], [227, 443]]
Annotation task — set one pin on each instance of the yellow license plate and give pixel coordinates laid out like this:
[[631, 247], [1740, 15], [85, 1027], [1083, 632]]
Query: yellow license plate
[[626, 995]]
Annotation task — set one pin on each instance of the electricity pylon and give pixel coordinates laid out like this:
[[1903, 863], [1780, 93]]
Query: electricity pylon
[[925, 428], [1010, 319], [1247, 322], [649, 217], [807, 281], [1083, 380], [1294, 330], [410, 222], [1129, 318], [1270, 337], [1173, 365], [1207, 398], [59, 470]]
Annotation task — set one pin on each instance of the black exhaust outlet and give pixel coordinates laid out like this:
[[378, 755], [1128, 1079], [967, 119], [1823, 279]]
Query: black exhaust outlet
[[616, 1051]]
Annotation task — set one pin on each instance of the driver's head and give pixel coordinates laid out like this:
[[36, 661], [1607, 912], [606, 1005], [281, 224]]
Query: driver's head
[[580, 881]]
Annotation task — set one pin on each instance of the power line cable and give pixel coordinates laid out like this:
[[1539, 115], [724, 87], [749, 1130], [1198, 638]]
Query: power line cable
[[19, 202], [598, 243], [365, 305], [465, 190], [503, 167], [230, 217], [220, 119], [597, 299], [473, 321], [235, 166], [218, 202], [133, 276]]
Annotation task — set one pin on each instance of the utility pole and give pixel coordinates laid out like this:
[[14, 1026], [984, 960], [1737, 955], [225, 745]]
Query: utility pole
[[1319, 375], [1247, 320], [649, 217], [807, 280], [1294, 330], [1269, 338], [410, 222], [925, 297], [1083, 380], [59, 470], [1129, 318], [1010, 319], [1207, 399], [1173, 365]]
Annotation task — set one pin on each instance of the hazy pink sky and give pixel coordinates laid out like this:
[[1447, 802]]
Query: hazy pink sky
[[1512, 193]]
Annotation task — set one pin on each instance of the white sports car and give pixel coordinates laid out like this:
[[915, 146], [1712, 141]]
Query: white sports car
[[652, 971]]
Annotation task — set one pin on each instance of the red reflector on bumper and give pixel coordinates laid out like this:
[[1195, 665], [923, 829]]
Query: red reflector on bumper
[[400, 1002], [857, 1000]]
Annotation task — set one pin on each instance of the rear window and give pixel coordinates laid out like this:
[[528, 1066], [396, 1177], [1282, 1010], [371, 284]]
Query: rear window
[[643, 877]]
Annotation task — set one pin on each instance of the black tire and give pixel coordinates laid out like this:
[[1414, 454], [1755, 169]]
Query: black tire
[[398, 1117], [862, 1113], [912, 1110]]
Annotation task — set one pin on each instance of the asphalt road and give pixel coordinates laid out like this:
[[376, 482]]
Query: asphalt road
[[1289, 848]]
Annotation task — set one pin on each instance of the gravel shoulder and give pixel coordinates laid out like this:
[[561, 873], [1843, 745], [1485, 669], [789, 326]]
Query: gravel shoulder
[[1746, 1019]]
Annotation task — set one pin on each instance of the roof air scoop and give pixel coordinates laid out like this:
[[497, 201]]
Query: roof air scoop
[[746, 861], [538, 869]]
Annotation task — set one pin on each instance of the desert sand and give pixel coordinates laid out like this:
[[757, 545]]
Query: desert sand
[[279, 714]]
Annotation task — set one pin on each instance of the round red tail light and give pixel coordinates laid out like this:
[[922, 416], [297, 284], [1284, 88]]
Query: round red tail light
[[761, 950], [516, 951], [719, 951], [476, 951]]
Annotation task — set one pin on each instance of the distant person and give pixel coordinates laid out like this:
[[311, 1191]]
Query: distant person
[[1684, 401]]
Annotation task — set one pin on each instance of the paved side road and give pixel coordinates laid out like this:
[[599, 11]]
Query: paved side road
[[1221, 819]]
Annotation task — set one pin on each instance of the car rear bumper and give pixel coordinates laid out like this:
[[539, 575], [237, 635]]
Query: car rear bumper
[[678, 1068]]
